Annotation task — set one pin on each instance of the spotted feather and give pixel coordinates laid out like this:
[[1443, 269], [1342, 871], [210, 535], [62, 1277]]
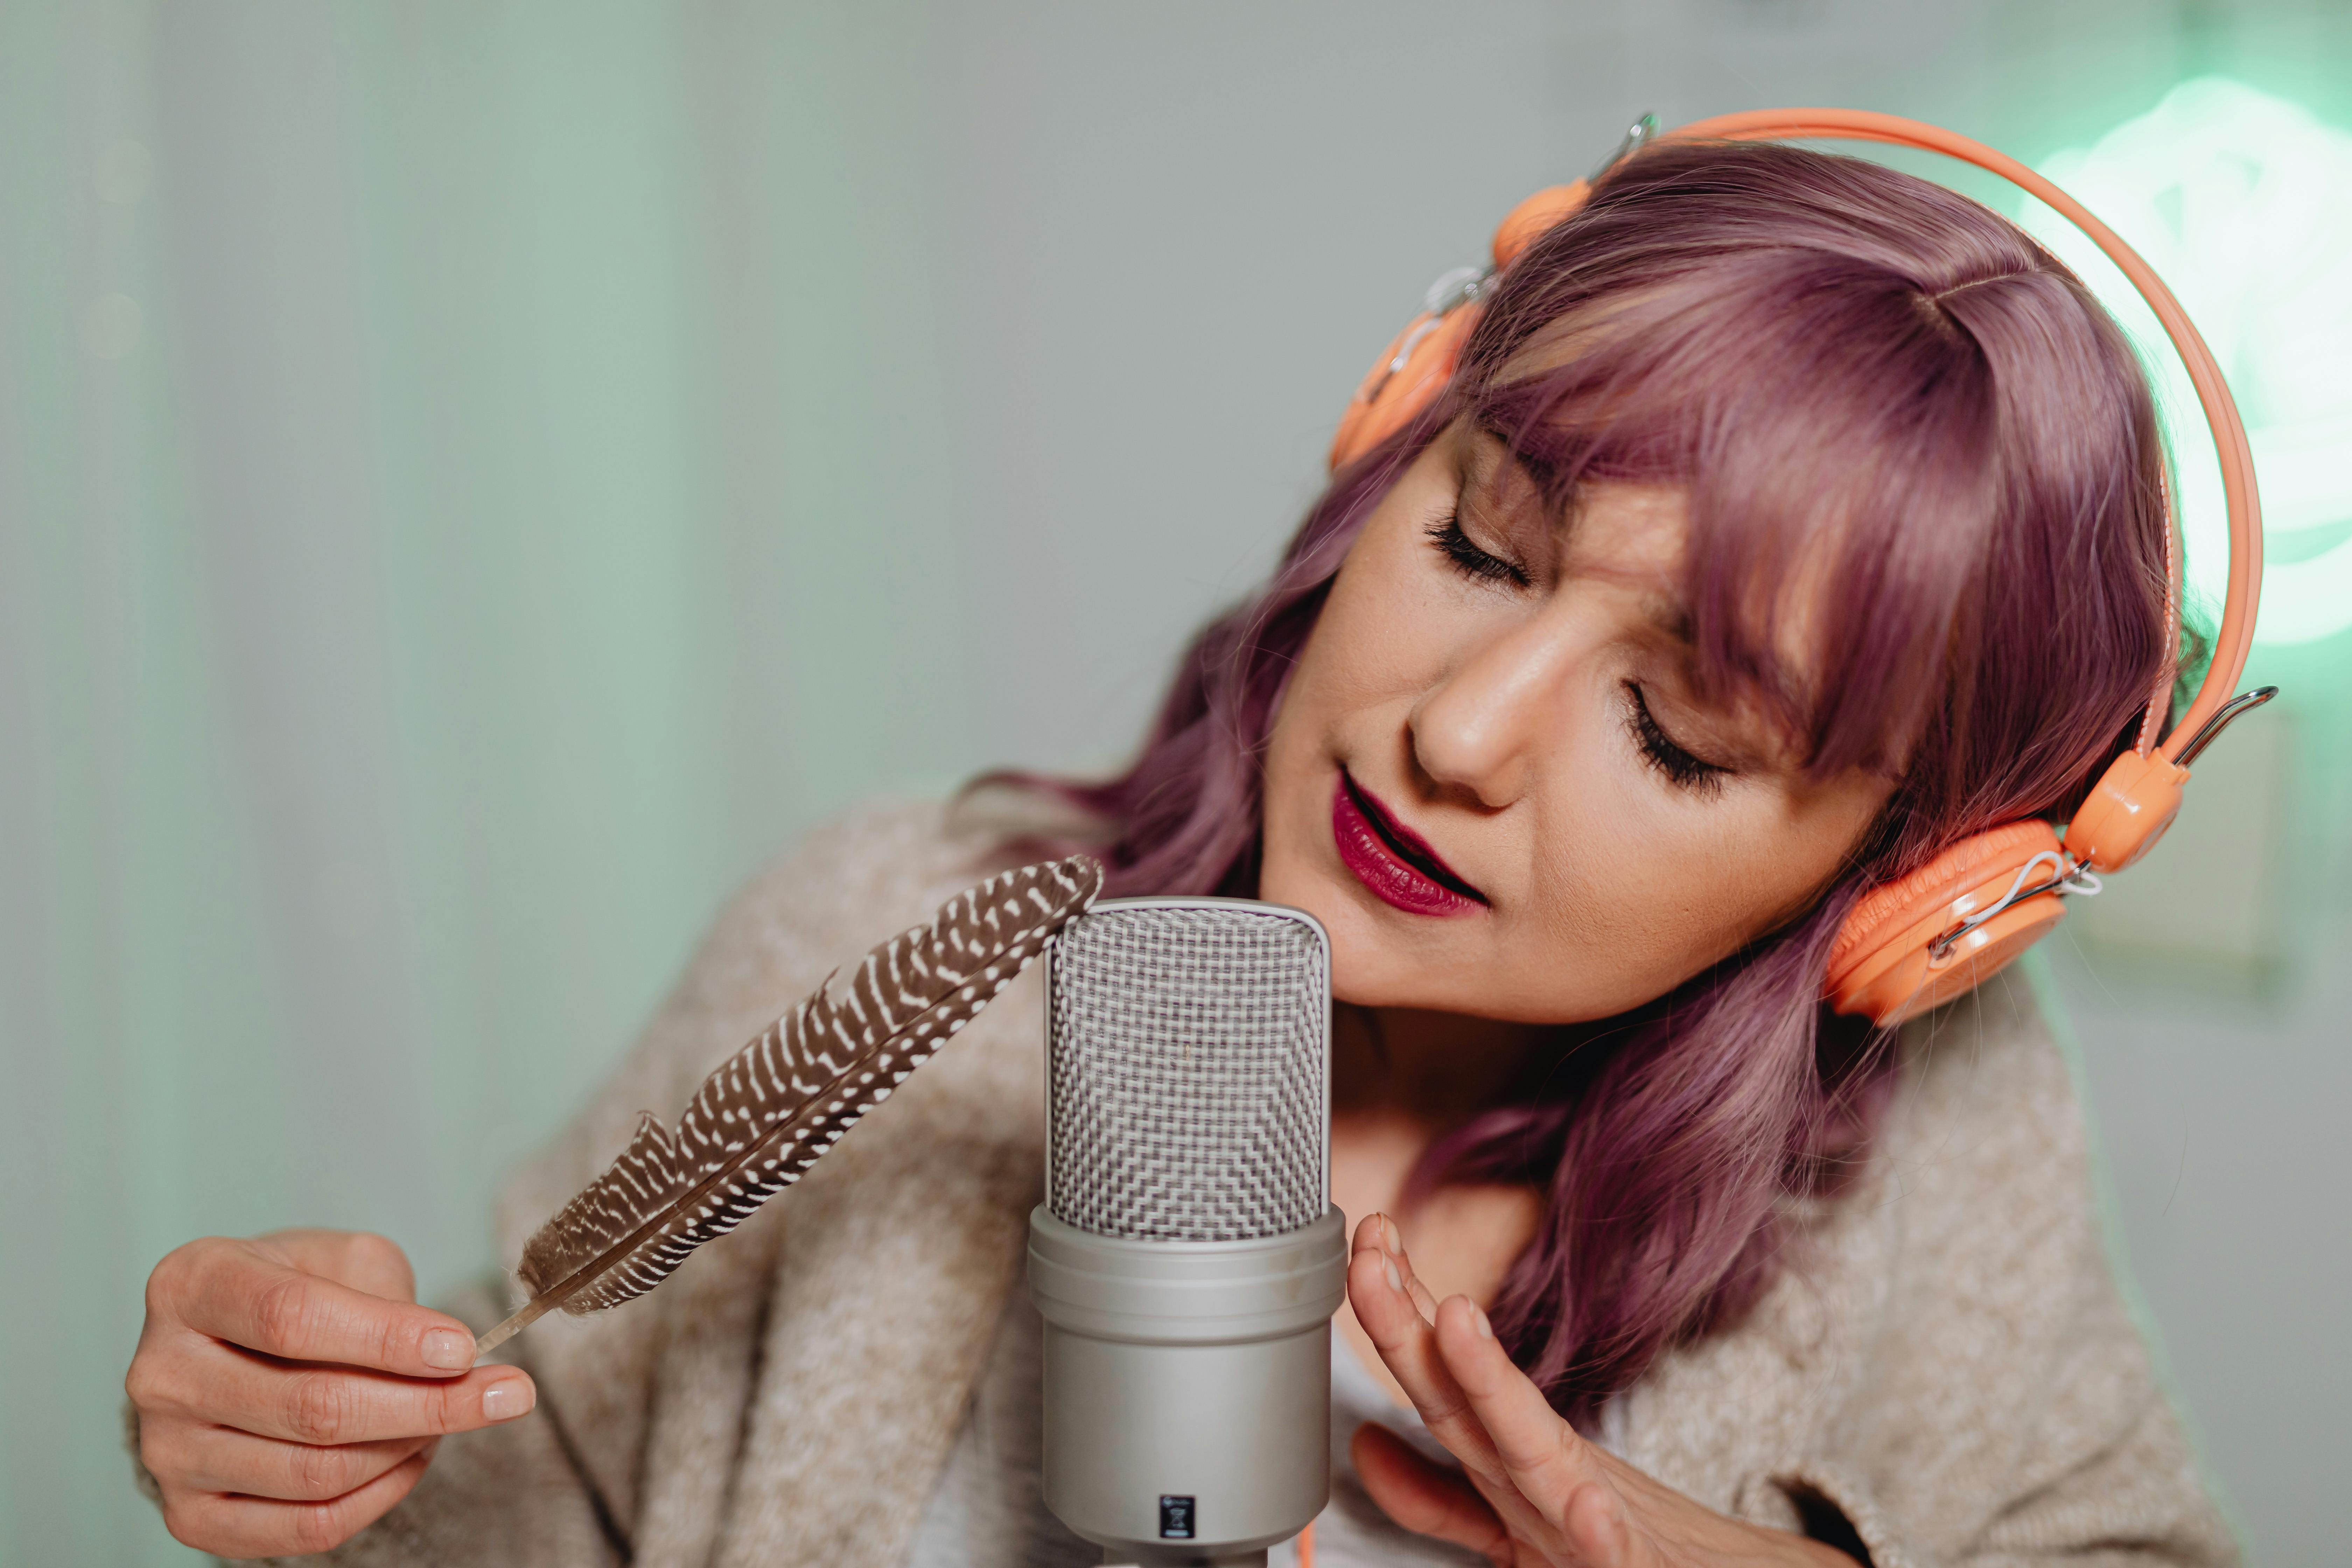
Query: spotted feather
[[772, 1109]]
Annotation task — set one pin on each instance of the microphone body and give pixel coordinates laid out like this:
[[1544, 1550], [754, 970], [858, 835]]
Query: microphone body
[[1187, 1260]]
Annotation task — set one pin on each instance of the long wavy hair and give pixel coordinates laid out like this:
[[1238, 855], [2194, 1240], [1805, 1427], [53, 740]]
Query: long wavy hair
[[1858, 378]]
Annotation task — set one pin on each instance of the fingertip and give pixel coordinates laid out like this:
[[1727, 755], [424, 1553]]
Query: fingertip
[[490, 1395], [1383, 1460], [445, 1347], [363, 1505], [1377, 1295], [509, 1397], [417, 1342], [1375, 1447], [1471, 1316], [1466, 1338], [404, 1476]]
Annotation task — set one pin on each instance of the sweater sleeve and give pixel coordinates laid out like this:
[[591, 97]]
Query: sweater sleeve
[[2004, 1411], [641, 1409]]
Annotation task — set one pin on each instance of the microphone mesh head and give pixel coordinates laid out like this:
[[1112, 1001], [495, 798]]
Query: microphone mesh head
[[1188, 1091]]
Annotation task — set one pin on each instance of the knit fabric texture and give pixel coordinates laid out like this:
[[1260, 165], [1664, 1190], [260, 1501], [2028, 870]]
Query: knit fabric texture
[[1948, 1375]]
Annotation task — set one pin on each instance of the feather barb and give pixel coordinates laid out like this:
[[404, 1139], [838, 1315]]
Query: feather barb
[[770, 1111]]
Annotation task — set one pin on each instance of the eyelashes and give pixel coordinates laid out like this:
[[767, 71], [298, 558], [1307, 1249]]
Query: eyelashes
[[1465, 556], [1677, 767]]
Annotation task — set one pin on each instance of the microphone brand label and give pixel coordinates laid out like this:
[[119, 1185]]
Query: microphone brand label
[[1175, 1518]]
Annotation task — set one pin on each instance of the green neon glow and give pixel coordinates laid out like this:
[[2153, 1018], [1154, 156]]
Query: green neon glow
[[2242, 202]]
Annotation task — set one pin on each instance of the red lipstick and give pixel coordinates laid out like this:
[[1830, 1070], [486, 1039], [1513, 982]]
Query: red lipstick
[[1396, 863]]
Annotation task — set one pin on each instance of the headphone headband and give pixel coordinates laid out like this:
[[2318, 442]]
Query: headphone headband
[[2235, 639], [1911, 944]]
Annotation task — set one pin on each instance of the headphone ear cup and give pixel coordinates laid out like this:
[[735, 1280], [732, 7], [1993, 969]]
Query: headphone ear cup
[[1550, 206], [1883, 965], [2127, 811], [1405, 379], [1412, 371]]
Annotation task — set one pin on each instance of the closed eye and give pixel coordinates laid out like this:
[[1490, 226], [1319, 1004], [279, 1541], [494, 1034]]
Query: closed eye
[[1679, 767], [1464, 555]]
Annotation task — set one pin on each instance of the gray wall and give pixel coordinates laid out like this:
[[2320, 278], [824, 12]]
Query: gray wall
[[557, 452]]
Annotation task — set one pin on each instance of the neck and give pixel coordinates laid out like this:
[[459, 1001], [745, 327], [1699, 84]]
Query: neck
[[1436, 1068]]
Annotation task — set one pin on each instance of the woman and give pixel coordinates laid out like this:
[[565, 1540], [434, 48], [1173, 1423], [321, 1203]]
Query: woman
[[1788, 519]]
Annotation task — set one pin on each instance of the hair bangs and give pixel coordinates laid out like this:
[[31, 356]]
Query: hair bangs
[[1835, 441]]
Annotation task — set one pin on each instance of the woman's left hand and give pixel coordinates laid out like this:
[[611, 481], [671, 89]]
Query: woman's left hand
[[1532, 1492]]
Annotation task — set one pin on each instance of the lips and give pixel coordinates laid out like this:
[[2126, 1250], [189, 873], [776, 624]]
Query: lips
[[1396, 863]]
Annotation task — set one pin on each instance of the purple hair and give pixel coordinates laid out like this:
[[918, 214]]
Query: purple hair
[[1866, 384]]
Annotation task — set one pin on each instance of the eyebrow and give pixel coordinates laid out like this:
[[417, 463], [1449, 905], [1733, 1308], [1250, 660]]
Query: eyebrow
[[1671, 617], [1667, 613], [1545, 475]]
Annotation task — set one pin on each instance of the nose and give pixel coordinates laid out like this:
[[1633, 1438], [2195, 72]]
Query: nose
[[1481, 726]]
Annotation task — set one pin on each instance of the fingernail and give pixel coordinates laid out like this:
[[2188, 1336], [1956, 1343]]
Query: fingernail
[[448, 1349], [1396, 1282], [1390, 1242], [1478, 1318], [506, 1401]]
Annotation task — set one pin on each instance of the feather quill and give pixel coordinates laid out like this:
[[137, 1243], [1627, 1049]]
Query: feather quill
[[770, 1111]]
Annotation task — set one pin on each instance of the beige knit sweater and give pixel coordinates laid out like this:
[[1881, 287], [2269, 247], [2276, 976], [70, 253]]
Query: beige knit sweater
[[1954, 1369]]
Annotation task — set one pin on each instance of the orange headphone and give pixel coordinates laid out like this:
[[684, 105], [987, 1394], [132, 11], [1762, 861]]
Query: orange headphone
[[1912, 944]]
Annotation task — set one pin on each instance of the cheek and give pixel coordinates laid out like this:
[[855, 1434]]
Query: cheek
[[1384, 627], [1376, 645], [1634, 891], [1297, 765], [1650, 889]]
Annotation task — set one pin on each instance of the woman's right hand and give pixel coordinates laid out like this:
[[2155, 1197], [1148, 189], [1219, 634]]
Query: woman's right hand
[[289, 1391]]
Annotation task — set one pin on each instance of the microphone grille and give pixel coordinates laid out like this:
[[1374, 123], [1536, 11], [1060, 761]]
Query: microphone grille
[[1187, 1085]]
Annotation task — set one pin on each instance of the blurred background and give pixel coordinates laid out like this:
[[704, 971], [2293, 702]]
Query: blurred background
[[479, 475]]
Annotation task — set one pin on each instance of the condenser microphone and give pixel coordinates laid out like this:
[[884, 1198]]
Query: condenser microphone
[[1187, 1258]]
